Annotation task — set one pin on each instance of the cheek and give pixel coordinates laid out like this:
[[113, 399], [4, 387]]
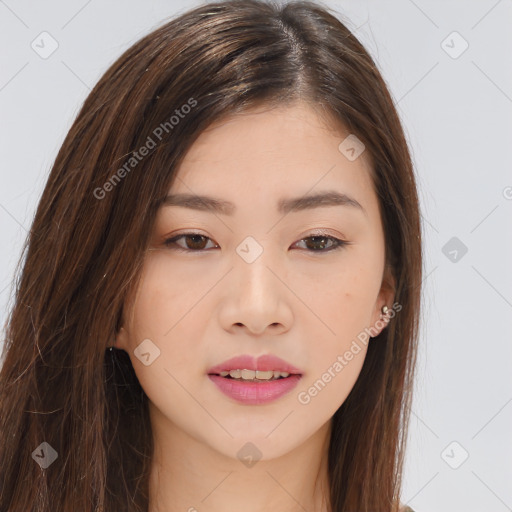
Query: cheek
[[335, 369], [166, 295], [343, 302], [341, 295], [162, 309], [169, 308], [160, 314]]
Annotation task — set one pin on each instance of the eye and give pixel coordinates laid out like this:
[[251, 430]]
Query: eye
[[195, 242], [320, 241]]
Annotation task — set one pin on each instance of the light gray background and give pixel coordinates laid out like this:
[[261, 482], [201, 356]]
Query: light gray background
[[457, 116]]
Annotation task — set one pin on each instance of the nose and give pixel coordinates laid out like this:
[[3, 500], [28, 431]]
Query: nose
[[257, 298]]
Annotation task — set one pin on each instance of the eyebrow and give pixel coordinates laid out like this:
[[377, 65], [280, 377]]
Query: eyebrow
[[284, 205]]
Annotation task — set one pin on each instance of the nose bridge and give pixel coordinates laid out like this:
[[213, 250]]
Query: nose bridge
[[252, 268], [256, 296]]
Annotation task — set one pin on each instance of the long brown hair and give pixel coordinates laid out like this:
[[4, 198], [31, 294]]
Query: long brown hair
[[59, 384]]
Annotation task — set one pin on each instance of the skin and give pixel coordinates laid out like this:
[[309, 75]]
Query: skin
[[201, 308]]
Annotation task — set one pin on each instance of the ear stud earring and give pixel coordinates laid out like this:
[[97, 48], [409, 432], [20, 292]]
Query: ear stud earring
[[384, 314]]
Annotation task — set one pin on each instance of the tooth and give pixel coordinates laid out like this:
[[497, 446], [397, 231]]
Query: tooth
[[248, 374], [264, 375], [252, 375]]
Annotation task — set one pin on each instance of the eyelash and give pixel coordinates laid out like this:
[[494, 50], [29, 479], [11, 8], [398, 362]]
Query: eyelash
[[170, 243]]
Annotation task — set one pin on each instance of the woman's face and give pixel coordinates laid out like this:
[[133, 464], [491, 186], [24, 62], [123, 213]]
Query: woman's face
[[257, 278]]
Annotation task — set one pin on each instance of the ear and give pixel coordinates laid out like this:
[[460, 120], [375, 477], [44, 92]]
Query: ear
[[121, 339], [386, 298]]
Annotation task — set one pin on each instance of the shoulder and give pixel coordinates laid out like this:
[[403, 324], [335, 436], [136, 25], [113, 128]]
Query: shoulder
[[406, 508]]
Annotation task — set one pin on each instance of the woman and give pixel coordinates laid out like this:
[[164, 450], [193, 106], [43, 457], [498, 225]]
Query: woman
[[219, 300]]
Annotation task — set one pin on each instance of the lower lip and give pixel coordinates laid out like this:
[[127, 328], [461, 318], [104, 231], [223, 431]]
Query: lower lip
[[255, 393]]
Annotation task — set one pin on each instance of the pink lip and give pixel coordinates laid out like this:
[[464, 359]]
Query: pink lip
[[263, 363], [255, 393]]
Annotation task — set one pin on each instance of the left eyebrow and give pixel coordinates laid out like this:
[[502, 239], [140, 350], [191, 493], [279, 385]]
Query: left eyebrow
[[284, 205]]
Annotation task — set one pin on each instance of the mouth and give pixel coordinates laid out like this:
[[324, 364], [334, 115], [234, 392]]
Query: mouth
[[244, 375], [248, 368], [255, 391], [255, 381]]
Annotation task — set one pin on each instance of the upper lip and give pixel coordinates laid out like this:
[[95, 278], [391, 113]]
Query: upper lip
[[263, 363]]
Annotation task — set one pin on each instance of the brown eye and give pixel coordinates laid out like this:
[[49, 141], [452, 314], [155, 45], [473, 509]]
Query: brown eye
[[193, 242], [318, 243]]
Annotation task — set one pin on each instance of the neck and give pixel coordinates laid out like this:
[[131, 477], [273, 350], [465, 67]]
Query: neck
[[189, 475]]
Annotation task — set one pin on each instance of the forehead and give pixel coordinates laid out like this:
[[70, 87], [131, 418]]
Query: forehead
[[273, 153]]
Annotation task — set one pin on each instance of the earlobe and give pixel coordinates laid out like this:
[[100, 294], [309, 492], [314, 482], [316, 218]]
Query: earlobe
[[388, 290], [384, 313], [383, 319]]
